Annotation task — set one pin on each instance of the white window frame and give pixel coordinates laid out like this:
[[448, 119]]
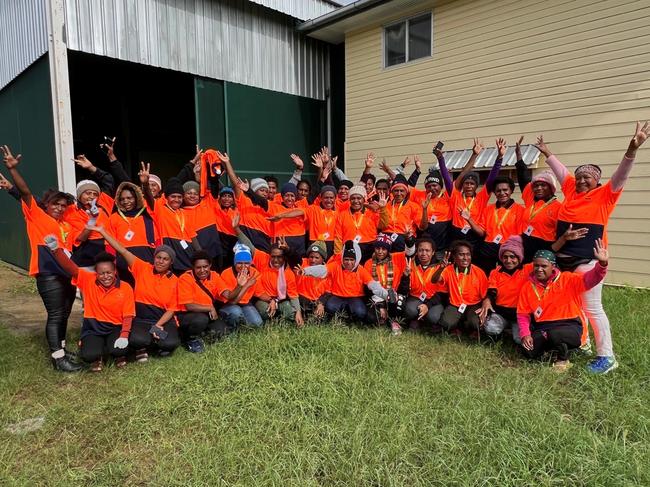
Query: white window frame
[[406, 21]]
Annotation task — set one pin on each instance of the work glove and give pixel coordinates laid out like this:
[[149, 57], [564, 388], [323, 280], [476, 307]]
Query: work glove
[[52, 242], [121, 343]]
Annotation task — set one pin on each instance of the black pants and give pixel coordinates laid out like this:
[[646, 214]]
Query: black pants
[[94, 347], [58, 297], [192, 325], [451, 318], [141, 338], [411, 313], [560, 338]]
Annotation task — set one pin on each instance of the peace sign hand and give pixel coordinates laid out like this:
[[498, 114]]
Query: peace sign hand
[[9, 160], [144, 172]]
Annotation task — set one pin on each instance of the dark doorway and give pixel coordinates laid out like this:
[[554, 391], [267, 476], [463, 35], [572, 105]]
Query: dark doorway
[[149, 110]]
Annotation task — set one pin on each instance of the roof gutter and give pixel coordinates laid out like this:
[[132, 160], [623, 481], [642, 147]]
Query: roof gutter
[[338, 14]]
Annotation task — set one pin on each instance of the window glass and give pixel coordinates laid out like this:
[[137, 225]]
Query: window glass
[[419, 37], [395, 44]]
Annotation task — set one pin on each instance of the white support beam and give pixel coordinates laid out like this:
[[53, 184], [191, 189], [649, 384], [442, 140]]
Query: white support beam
[[60, 84]]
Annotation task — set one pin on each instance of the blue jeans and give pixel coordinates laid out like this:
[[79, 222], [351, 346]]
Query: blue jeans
[[356, 307], [234, 314]]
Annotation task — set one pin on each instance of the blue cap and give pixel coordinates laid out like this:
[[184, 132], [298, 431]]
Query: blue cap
[[242, 253]]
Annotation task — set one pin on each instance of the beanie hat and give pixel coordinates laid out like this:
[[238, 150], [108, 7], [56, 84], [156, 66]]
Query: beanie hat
[[86, 185], [173, 186], [383, 241], [167, 249], [545, 177], [226, 189], [473, 175], [346, 183], [288, 188], [320, 247], [400, 182], [349, 250], [591, 169], [258, 183], [327, 188], [515, 245], [189, 185], [360, 190], [155, 179], [242, 253], [433, 177]]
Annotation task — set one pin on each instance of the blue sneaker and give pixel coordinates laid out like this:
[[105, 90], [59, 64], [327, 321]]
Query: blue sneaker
[[195, 345], [602, 365]]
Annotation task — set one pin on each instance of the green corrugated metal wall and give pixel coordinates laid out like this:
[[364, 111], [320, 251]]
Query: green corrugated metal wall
[[26, 125], [259, 128]]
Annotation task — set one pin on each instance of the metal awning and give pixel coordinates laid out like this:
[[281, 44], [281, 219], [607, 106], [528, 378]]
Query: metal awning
[[457, 159]]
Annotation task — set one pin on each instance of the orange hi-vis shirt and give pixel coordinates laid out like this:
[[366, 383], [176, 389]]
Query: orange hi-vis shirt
[[507, 285], [302, 204], [230, 280], [189, 291], [104, 308], [341, 205], [402, 217], [345, 283], [267, 283], [362, 223], [310, 287], [199, 216], [540, 217], [465, 287], [381, 269], [174, 224], [78, 219], [321, 223], [254, 217], [154, 293], [131, 232], [287, 227], [439, 209], [500, 223], [590, 209], [39, 225], [475, 205], [223, 217], [420, 285], [107, 201], [559, 300]]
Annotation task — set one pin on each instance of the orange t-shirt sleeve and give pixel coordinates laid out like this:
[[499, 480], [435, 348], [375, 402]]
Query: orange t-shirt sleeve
[[84, 279], [185, 289], [364, 275]]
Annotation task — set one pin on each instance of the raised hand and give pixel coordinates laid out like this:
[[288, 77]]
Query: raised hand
[[327, 170], [242, 277], [83, 162], [317, 160], [640, 136], [370, 160], [445, 259], [382, 201], [578, 233], [224, 157], [501, 146], [542, 147], [197, 157], [518, 147], [243, 184], [144, 172], [8, 158], [418, 162], [282, 243], [600, 252], [5, 184], [406, 162], [325, 154], [477, 147], [297, 162], [384, 166], [333, 161], [108, 147], [427, 201], [299, 270]]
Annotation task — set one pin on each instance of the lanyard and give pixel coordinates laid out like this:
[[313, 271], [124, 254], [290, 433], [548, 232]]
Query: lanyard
[[399, 208], [469, 207], [357, 223], [64, 233], [328, 221], [505, 215], [458, 284], [424, 276], [533, 214], [546, 289], [127, 219], [180, 217], [381, 269]]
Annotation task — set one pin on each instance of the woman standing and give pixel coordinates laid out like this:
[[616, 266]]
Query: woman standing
[[588, 206], [52, 281]]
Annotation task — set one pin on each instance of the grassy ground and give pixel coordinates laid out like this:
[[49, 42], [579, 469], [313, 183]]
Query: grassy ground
[[332, 406]]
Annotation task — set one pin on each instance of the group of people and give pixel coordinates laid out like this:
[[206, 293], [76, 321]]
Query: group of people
[[196, 259]]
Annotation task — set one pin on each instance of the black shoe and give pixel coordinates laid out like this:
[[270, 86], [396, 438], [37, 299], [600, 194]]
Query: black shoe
[[64, 365], [71, 356]]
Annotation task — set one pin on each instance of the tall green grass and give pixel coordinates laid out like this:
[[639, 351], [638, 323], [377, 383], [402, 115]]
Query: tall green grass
[[332, 405]]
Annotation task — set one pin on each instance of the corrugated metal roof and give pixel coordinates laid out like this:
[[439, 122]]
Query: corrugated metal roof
[[232, 40], [456, 160], [299, 9], [23, 36]]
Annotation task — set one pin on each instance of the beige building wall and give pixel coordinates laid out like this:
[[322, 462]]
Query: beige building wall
[[576, 71]]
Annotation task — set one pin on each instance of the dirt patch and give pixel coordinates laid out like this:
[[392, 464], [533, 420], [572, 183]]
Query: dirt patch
[[21, 308]]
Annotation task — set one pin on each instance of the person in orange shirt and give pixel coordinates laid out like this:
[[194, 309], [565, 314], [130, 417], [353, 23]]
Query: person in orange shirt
[[549, 306], [156, 299], [435, 217], [348, 281], [403, 215], [239, 308], [132, 226], [387, 269], [292, 229], [87, 211], [422, 305], [224, 210], [109, 307], [497, 222], [466, 285], [499, 309], [312, 289], [201, 221], [539, 221], [273, 184], [199, 291], [360, 224], [52, 281]]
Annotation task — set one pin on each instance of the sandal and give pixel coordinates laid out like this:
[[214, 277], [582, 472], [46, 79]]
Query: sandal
[[120, 362], [96, 366]]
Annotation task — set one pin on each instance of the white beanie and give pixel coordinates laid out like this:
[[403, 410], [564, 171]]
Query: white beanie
[[85, 185], [259, 183], [360, 190]]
